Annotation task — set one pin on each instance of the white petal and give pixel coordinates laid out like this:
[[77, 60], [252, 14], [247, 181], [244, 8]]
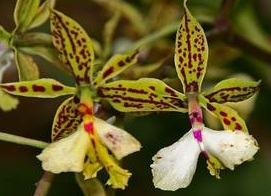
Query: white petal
[[118, 141], [175, 165], [230, 147], [67, 154]]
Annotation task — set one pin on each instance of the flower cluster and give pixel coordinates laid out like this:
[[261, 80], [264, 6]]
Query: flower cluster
[[82, 142]]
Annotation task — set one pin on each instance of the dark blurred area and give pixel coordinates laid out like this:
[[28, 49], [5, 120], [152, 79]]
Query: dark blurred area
[[33, 118]]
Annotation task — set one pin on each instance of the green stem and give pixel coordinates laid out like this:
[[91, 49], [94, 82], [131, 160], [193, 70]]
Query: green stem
[[147, 40], [22, 140]]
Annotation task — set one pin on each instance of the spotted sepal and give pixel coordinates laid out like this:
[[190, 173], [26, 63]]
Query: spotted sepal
[[114, 66], [232, 90], [67, 119], [146, 94], [74, 46], [227, 116], [191, 52], [42, 88]]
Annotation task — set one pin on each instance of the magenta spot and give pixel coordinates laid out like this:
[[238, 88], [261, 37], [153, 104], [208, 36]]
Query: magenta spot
[[89, 127], [197, 135], [23, 89]]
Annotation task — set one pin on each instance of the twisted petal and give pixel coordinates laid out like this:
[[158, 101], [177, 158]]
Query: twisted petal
[[230, 147], [175, 165], [120, 142], [67, 154]]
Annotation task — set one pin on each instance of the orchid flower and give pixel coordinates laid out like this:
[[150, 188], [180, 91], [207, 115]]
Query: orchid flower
[[175, 165], [81, 141]]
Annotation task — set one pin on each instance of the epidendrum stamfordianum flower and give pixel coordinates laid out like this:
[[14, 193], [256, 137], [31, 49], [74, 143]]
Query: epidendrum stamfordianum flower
[[81, 141], [174, 166]]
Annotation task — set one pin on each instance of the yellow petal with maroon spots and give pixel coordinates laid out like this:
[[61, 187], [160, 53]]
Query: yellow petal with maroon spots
[[191, 52], [74, 46], [232, 90], [66, 120], [42, 88], [228, 116], [146, 94], [114, 66]]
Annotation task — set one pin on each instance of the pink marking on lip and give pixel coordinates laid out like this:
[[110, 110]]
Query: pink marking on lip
[[197, 135]]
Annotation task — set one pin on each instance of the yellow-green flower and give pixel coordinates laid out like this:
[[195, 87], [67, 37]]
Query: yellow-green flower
[[81, 142]]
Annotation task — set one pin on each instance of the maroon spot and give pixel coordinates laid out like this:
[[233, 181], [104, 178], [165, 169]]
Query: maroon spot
[[238, 126], [152, 88], [37, 88], [9, 87], [233, 119], [226, 121], [210, 107], [170, 91], [93, 143], [108, 72], [56, 87], [23, 89], [121, 64], [223, 114]]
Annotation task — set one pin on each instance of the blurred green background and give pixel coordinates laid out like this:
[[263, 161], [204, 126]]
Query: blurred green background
[[249, 19]]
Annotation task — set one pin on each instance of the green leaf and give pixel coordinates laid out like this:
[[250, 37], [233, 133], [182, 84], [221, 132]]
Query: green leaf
[[227, 116], [146, 94], [42, 14], [42, 88], [232, 90], [114, 66], [33, 39], [191, 53], [4, 35], [74, 46], [66, 120], [24, 13], [47, 52], [26, 66]]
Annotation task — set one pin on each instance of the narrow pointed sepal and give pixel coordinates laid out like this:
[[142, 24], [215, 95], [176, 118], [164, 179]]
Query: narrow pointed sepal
[[114, 66], [74, 46], [191, 53], [228, 117], [232, 90], [175, 165], [146, 94], [41, 88]]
